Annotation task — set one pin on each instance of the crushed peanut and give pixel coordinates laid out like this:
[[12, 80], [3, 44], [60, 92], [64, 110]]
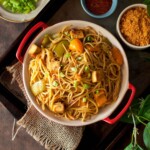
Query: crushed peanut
[[135, 26]]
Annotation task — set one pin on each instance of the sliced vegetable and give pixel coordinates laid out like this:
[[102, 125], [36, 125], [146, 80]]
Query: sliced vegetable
[[55, 83], [74, 69], [86, 69], [79, 58], [89, 39], [68, 55], [46, 40], [62, 75], [86, 86], [76, 34], [100, 98], [38, 87], [75, 84], [19, 6], [58, 107], [117, 56], [34, 50], [84, 99], [97, 76], [76, 45], [59, 49]]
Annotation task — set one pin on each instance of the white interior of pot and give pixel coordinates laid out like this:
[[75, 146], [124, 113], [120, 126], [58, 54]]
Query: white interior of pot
[[104, 112]]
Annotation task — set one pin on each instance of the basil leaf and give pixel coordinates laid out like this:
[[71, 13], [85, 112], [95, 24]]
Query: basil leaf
[[127, 118], [146, 136], [146, 2], [148, 9], [145, 108], [131, 147]]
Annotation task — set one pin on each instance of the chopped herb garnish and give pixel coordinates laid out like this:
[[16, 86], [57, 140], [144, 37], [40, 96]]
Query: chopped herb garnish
[[97, 91], [86, 69], [55, 83], [67, 55], [79, 58], [84, 99], [74, 69], [86, 86], [75, 84], [89, 39], [61, 75], [89, 75]]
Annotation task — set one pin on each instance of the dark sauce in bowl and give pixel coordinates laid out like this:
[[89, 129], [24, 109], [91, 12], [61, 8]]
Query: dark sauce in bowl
[[98, 7]]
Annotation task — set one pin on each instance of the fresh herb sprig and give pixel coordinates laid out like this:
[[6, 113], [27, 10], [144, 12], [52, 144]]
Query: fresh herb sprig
[[139, 113], [147, 2]]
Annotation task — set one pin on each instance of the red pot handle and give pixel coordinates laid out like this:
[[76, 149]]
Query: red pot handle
[[21, 49], [114, 120]]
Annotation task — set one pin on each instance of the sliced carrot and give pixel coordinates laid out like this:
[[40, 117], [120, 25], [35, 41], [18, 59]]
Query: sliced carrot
[[100, 99], [117, 56], [76, 45]]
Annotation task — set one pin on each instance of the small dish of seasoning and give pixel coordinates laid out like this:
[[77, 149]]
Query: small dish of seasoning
[[133, 26], [99, 8]]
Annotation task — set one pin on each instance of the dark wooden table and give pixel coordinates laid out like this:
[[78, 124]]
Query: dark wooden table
[[96, 136]]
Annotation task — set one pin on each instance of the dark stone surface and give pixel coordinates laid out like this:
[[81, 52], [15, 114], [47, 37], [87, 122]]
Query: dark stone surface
[[23, 141]]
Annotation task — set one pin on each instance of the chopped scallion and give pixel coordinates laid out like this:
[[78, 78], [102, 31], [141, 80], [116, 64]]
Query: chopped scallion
[[55, 83], [74, 69], [61, 75], [86, 86], [75, 84], [89, 75], [79, 58], [84, 99], [89, 39], [97, 91], [67, 55], [86, 69]]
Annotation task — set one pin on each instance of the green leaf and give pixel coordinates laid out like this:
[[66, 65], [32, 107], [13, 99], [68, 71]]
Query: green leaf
[[148, 9], [146, 136], [127, 118], [146, 2], [145, 108], [131, 147]]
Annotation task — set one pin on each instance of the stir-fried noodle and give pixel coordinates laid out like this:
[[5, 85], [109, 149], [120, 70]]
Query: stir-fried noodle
[[75, 72]]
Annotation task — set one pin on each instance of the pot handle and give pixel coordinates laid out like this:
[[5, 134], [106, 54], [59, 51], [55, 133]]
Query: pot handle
[[115, 119], [21, 49]]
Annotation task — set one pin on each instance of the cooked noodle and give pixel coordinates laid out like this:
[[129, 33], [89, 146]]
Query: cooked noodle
[[67, 80]]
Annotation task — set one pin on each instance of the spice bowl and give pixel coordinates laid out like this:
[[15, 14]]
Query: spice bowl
[[99, 9], [133, 27]]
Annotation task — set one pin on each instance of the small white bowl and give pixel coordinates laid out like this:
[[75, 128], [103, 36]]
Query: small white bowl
[[134, 47]]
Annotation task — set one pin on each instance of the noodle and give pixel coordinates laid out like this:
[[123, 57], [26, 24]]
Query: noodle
[[73, 84]]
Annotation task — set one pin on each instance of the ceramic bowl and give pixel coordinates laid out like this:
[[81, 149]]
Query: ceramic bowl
[[134, 47], [108, 13]]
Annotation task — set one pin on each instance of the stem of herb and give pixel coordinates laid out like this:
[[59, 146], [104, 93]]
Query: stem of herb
[[134, 132], [138, 118]]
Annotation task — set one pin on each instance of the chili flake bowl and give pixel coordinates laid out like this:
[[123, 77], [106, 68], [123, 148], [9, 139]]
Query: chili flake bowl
[[131, 27], [105, 14]]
